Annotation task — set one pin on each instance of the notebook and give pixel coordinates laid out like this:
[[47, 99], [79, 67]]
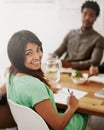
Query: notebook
[[99, 93], [97, 78], [61, 96]]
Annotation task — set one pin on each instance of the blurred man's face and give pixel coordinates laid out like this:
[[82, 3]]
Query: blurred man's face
[[88, 18]]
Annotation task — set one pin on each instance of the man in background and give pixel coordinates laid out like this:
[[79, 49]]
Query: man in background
[[84, 46]]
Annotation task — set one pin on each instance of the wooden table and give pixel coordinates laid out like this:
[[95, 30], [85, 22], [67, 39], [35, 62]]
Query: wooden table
[[88, 104]]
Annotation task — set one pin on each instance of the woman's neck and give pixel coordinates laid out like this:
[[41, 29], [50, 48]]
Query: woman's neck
[[19, 74]]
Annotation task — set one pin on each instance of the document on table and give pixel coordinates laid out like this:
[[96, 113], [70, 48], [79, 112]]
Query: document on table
[[61, 95], [99, 93], [97, 78], [66, 70]]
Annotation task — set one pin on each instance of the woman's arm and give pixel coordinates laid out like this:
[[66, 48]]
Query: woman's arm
[[52, 118]]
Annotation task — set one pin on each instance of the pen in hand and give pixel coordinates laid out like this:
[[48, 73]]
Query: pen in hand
[[68, 90]]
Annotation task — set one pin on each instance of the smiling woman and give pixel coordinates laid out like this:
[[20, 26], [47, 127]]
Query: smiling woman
[[27, 86]]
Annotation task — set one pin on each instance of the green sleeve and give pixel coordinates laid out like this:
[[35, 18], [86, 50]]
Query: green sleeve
[[37, 91]]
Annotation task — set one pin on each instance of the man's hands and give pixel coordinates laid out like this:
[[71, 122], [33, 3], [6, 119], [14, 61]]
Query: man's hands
[[93, 70], [66, 64]]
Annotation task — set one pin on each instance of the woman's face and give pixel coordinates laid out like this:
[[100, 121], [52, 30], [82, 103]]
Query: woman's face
[[33, 55]]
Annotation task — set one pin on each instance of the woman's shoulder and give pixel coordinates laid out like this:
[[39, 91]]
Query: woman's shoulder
[[28, 79], [34, 83]]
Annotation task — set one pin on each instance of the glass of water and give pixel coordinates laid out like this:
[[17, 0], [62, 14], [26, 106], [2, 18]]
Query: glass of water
[[53, 68]]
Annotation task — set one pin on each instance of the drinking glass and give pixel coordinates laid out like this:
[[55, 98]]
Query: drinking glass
[[53, 65]]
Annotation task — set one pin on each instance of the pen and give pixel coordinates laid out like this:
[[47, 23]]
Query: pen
[[68, 91]]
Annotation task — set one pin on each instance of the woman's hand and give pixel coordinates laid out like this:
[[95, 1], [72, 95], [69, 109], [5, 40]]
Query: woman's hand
[[73, 101]]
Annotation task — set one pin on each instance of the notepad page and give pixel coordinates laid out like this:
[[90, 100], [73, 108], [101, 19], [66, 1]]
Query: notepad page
[[97, 78], [99, 93], [61, 95]]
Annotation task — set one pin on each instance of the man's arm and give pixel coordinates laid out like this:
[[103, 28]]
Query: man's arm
[[95, 58], [62, 48]]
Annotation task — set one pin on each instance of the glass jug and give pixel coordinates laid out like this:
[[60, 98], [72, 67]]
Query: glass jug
[[53, 66]]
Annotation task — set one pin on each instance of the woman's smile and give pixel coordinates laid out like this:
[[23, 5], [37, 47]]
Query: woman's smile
[[33, 55]]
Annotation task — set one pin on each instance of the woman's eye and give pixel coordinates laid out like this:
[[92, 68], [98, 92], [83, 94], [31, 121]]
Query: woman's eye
[[29, 53]]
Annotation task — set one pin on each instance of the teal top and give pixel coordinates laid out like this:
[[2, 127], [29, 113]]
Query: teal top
[[28, 91]]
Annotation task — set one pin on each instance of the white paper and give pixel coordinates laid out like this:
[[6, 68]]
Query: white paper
[[66, 70], [61, 96], [99, 93], [97, 78]]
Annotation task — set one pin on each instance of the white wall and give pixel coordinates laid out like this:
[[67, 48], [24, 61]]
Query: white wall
[[50, 21]]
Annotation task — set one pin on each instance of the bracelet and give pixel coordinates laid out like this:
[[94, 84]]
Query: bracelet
[[0, 94]]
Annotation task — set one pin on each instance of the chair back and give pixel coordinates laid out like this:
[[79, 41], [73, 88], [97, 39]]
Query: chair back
[[26, 118]]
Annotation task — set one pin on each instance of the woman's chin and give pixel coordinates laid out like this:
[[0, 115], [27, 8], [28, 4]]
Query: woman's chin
[[36, 67]]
